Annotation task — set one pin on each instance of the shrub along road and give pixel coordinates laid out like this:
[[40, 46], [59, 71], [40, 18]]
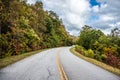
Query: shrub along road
[[43, 66]]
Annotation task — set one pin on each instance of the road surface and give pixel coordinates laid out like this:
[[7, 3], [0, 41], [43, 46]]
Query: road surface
[[79, 69], [43, 66]]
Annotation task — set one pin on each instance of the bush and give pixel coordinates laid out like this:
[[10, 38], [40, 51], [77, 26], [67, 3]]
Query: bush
[[79, 49], [98, 57], [103, 57], [112, 50], [113, 60], [118, 50], [90, 53], [86, 54]]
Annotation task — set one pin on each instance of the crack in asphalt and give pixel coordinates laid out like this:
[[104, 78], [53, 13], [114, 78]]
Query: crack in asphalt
[[49, 74]]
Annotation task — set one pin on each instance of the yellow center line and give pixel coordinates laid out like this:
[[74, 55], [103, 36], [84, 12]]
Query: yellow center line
[[61, 70]]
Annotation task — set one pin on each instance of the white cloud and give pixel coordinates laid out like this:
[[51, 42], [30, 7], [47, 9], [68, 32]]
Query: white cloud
[[108, 14], [118, 23], [96, 8], [106, 17], [31, 1], [75, 32], [76, 13], [78, 6]]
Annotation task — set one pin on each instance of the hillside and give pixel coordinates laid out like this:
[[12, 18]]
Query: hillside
[[26, 27]]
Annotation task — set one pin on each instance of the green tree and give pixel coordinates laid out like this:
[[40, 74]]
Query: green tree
[[88, 36]]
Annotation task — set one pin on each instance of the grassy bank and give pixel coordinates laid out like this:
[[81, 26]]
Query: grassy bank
[[12, 59], [98, 63]]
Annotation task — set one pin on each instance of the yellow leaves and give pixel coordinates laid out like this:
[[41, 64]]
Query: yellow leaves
[[112, 50], [90, 53], [96, 44], [106, 49], [24, 22], [104, 56], [31, 33]]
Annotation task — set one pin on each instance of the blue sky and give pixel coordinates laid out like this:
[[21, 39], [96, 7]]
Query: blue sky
[[94, 3], [100, 14]]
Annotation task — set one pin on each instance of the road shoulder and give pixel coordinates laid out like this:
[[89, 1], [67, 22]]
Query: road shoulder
[[98, 63]]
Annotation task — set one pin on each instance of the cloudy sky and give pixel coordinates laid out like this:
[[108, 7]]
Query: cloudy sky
[[100, 14]]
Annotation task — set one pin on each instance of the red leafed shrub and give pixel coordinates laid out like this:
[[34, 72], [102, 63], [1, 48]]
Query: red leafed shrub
[[113, 60], [43, 47]]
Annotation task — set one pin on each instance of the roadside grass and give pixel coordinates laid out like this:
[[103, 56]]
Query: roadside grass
[[98, 63], [12, 59]]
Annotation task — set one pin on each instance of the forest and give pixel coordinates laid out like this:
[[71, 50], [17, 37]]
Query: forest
[[95, 44], [28, 27]]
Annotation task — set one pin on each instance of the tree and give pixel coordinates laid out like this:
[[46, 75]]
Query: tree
[[115, 32], [26, 27], [88, 36]]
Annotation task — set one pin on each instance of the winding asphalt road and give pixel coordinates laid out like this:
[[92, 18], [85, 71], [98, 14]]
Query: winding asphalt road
[[43, 66]]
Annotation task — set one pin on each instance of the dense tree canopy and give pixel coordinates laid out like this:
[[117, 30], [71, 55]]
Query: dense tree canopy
[[93, 43], [26, 27]]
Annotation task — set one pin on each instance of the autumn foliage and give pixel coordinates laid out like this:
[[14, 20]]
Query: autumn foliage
[[95, 44], [25, 27]]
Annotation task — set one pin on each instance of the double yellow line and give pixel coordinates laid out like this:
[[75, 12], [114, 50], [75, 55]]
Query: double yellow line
[[61, 70]]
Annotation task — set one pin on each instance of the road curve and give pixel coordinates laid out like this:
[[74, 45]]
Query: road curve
[[43, 66], [79, 69]]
